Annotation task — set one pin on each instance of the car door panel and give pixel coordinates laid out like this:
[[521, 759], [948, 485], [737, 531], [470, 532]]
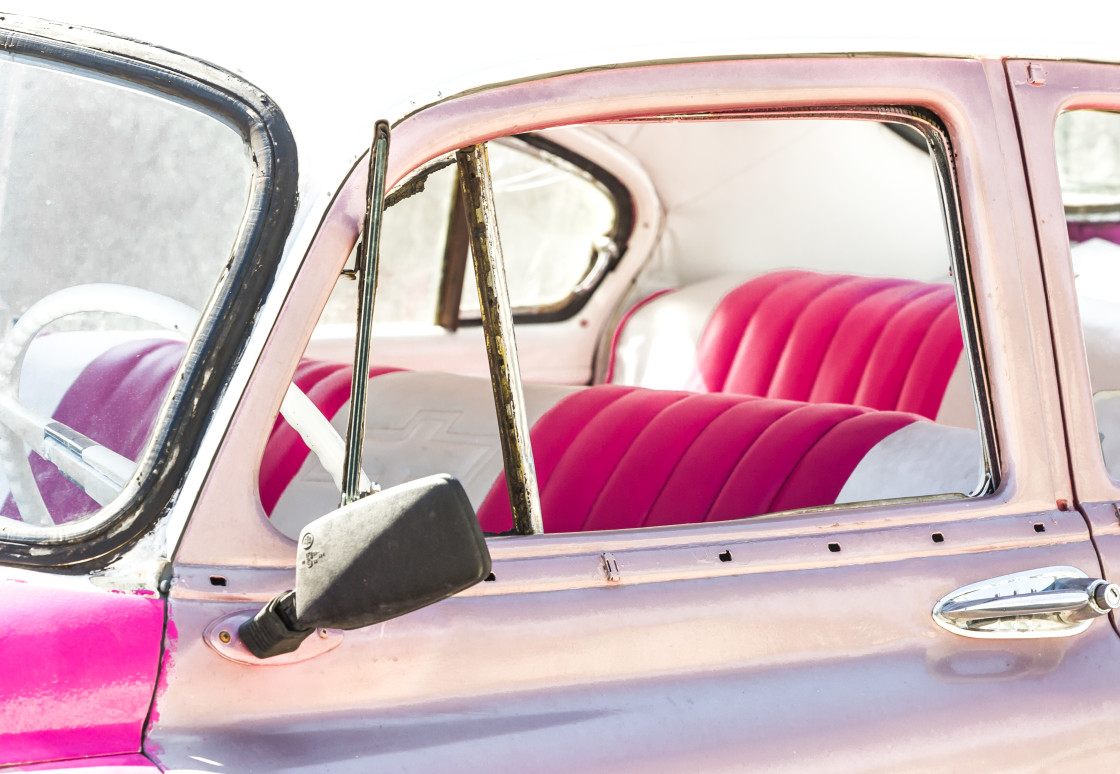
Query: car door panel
[[553, 666], [767, 641]]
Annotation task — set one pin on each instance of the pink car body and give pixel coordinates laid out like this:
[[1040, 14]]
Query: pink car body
[[634, 633]]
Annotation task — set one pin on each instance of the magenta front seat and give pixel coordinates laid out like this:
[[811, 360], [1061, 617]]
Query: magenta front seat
[[888, 344], [114, 402], [615, 457]]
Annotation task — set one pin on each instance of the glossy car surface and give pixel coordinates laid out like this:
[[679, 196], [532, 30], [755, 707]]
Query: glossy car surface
[[817, 352]]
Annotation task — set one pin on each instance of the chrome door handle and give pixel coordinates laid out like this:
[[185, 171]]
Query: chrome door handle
[[1047, 602]]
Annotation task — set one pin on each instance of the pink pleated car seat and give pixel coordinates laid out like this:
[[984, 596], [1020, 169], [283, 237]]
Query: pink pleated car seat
[[615, 457], [608, 457], [114, 402], [888, 344]]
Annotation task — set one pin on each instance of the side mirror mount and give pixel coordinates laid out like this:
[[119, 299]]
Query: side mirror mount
[[379, 557]]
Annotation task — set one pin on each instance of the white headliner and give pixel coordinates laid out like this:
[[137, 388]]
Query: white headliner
[[318, 61]]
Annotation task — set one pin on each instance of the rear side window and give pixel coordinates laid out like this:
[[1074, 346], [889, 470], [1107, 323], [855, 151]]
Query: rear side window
[[1087, 143]]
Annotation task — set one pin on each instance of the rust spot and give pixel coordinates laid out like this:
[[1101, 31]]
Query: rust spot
[[1063, 504]]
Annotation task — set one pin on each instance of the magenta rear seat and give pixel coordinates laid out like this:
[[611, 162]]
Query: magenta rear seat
[[614, 457], [888, 344]]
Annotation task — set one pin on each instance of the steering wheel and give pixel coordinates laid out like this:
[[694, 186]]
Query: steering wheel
[[99, 471]]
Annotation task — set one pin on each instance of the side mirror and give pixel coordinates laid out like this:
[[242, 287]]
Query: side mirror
[[382, 556]]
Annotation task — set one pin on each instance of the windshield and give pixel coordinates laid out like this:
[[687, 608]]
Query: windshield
[[119, 209]]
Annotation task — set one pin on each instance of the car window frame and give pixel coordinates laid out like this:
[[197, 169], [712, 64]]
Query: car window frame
[[228, 317], [940, 149], [1043, 90], [958, 91], [622, 229]]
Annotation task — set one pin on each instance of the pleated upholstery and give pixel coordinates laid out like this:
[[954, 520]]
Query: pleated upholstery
[[888, 344], [616, 457]]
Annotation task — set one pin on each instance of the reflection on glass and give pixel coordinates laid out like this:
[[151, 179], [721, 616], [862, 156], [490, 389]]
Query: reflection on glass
[[550, 220], [1087, 143]]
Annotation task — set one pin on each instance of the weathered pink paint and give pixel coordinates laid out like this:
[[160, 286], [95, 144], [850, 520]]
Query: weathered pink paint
[[80, 669], [102, 763]]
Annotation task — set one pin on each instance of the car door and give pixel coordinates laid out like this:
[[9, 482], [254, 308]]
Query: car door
[[802, 640], [1076, 240], [130, 194]]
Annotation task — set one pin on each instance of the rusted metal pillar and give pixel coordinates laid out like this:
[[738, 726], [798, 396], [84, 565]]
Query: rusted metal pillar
[[501, 348]]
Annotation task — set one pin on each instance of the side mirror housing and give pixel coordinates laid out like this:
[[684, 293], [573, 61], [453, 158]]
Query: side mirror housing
[[382, 556]]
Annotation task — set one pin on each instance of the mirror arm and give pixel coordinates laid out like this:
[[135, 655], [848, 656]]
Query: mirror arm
[[273, 631]]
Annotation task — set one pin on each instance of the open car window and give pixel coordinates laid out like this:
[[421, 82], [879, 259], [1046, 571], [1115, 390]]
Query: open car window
[[800, 340], [566, 222]]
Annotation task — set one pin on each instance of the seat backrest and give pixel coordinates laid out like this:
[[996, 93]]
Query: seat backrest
[[327, 385], [417, 424], [614, 457], [888, 344]]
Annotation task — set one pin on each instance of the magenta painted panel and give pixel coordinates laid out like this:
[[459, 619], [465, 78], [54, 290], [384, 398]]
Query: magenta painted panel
[[80, 667]]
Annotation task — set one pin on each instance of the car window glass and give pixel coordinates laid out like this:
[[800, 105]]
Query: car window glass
[[1087, 143], [556, 220], [552, 220], [118, 210], [799, 345], [411, 251]]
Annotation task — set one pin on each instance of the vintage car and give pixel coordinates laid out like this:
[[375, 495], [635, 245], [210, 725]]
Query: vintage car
[[717, 413]]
